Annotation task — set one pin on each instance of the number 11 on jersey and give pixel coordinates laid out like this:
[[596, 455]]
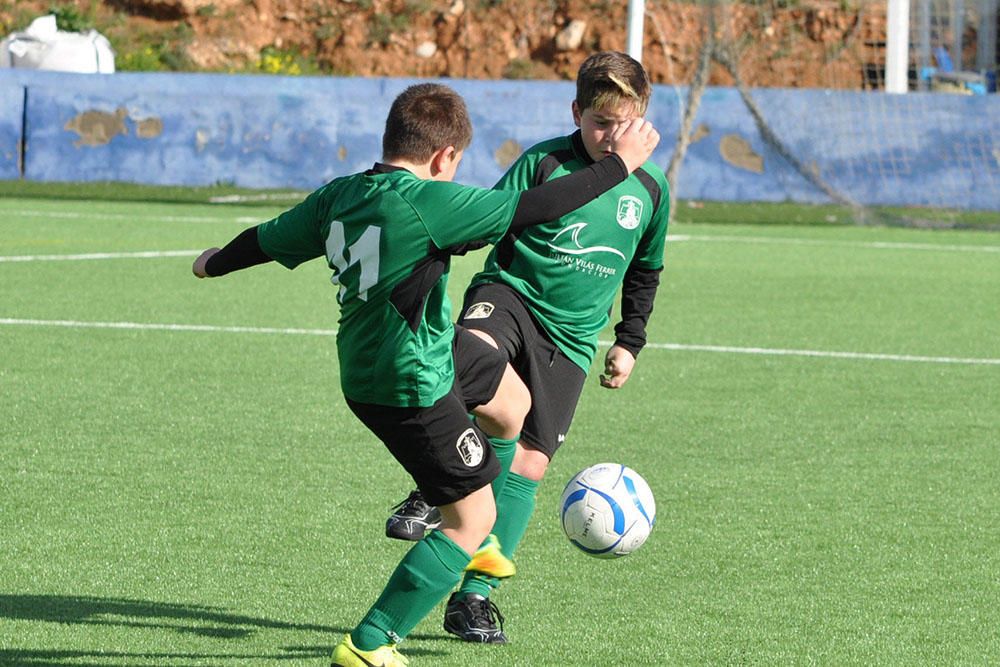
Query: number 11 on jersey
[[364, 251]]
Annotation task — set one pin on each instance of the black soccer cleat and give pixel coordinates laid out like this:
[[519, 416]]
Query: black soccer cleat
[[474, 618], [412, 518]]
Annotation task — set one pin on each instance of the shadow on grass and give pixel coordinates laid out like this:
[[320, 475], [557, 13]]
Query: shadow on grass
[[197, 620], [291, 654], [190, 619], [57, 658]]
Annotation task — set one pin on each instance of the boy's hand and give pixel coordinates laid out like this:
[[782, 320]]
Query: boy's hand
[[198, 268], [634, 142], [618, 365]]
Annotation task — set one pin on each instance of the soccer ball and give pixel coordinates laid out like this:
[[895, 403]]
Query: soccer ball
[[607, 510]]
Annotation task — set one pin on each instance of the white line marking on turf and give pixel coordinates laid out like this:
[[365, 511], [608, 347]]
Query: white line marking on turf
[[141, 326], [828, 354], [875, 245], [721, 238], [878, 245], [100, 217], [268, 196], [146, 254]]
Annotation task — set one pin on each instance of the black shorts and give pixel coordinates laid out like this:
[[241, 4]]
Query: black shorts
[[479, 367], [444, 451], [555, 382]]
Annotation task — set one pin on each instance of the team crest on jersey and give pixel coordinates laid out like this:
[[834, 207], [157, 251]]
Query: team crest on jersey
[[629, 211], [479, 311], [470, 448]]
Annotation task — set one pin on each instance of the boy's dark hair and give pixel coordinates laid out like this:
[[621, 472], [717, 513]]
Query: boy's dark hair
[[425, 118], [610, 78]]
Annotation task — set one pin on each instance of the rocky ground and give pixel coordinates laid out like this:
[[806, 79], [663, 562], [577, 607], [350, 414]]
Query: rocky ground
[[777, 43]]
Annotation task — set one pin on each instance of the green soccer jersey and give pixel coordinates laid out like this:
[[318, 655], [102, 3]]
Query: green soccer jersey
[[568, 271], [383, 233]]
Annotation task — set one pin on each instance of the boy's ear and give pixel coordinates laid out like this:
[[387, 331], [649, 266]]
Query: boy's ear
[[577, 113], [441, 159]]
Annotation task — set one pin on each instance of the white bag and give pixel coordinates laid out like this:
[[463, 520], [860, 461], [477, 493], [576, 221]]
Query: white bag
[[43, 46]]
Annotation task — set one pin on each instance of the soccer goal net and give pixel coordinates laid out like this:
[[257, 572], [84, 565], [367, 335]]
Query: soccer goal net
[[926, 157]]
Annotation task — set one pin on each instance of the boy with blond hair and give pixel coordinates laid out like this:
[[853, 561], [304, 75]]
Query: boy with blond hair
[[544, 295]]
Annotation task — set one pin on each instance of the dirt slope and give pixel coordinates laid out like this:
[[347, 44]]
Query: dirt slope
[[816, 43]]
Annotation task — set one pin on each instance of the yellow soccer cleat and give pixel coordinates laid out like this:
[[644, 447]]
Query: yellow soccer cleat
[[490, 561], [346, 654]]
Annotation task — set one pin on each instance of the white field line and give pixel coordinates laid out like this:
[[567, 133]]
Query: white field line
[[144, 326], [721, 238], [877, 245], [101, 217], [828, 354], [145, 254], [267, 196], [873, 245], [678, 347]]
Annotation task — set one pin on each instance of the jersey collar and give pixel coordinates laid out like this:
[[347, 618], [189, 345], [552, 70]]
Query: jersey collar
[[382, 168]]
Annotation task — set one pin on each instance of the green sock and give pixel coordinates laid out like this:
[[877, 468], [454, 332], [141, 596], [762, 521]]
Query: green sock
[[426, 574], [515, 505], [505, 453]]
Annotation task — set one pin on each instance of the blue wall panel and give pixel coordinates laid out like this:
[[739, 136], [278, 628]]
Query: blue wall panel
[[261, 131], [253, 140], [914, 149], [11, 121]]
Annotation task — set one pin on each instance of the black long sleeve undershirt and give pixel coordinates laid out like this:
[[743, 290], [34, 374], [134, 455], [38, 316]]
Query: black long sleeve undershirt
[[557, 197], [638, 294], [242, 252]]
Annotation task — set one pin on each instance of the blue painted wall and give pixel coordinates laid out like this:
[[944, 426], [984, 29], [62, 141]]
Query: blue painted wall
[[11, 120], [262, 131]]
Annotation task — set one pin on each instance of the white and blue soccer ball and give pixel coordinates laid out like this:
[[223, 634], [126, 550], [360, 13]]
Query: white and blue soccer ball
[[607, 510]]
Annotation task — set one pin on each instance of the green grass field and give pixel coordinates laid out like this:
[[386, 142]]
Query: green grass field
[[818, 414]]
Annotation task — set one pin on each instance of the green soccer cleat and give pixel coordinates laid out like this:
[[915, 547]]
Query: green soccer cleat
[[346, 654], [489, 560]]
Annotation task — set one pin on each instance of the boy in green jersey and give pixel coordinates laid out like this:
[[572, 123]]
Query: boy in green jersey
[[546, 292], [407, 372]]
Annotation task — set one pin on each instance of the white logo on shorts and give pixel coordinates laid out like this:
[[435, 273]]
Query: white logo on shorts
[[470, 448], [479, 311]]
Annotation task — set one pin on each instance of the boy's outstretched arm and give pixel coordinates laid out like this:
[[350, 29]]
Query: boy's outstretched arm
[[242, 252], [630, 148]]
